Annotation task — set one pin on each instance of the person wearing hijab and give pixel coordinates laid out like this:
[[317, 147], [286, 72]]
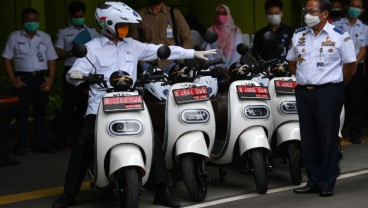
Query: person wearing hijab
[[229, 36]]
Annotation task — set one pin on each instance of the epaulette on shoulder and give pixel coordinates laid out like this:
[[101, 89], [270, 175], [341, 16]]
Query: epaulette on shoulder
[[300, 29], [339, 30]]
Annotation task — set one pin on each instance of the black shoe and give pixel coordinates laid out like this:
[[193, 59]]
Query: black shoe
[[64, 201], [326, 193], [165, 198], [45, 149], [306, 190], [21, 150]]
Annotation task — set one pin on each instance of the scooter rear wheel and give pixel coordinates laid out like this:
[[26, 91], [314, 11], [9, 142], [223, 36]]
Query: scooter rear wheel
[[258, 161], [294, 160], [195, 176], [129, 186]]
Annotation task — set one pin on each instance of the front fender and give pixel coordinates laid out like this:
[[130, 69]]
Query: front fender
[[192, 142], [253, 137], [287, 132], [126, 155]]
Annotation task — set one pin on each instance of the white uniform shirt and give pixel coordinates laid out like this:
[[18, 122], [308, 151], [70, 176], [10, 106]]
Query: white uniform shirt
[[108, 58], [358, 32], [29, 54], [65, 37], [320, 58]]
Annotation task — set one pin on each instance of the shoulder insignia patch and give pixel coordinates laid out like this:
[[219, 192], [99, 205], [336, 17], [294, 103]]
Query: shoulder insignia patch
[[339, 30], [300, 29]]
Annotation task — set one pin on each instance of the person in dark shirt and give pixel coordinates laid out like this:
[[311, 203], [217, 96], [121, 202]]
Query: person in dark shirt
[[283, 33]]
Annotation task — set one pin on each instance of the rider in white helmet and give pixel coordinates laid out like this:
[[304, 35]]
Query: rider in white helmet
[[110, 52]]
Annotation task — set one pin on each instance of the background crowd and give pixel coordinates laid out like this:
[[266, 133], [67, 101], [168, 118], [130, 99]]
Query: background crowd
[[161, 24]]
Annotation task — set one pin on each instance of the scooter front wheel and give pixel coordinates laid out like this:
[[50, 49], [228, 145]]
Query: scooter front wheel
[[258, 161], [195, 174], [129, 184], [294, 159]]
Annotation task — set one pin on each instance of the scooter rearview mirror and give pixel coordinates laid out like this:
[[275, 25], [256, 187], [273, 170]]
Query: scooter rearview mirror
[[241, 48], [163, 52], [79, 50], [210, 36], [269, 36]]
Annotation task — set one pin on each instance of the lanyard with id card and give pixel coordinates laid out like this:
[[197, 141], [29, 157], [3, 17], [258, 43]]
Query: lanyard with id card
[[320, 59]]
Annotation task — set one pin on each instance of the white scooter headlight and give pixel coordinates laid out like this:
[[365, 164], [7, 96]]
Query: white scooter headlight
[[195, 116], [125, 127], [288, 107], [256, 112]]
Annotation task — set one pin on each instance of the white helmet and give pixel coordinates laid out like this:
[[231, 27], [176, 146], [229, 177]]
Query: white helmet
[[108, 14], [210, 83]]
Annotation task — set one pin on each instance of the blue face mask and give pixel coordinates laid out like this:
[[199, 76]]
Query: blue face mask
[[31, 26], [78, 21], [354, 12]]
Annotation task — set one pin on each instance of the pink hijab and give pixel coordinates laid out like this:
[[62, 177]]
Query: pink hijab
[[226, 34]]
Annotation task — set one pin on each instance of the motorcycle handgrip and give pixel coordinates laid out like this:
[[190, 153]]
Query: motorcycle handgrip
[[206, 73], [271, 61], [213, 62], [90, 78]]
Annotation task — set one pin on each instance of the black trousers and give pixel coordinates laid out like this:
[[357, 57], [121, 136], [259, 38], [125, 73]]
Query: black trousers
[[32, 95], [75, 101], [83, 153], [319, 116], [354, 102]]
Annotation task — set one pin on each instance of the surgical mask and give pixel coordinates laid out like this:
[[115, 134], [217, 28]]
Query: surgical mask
[[336, 12], [78, 21], [274, 19], [123, 31], [155, 2], [221, 19], [354, 12], [311, 20], [31, 26]]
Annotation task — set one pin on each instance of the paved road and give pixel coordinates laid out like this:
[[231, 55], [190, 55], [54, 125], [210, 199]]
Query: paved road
[[38, 180]]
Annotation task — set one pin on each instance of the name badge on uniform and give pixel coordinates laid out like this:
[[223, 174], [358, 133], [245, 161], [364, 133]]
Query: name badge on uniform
[[169, 30], [320, 63]]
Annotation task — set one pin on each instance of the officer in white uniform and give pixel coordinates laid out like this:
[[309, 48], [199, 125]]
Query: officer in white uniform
[[74, 97], [110, 53], [322, 58], [358, 31], [32, 75]]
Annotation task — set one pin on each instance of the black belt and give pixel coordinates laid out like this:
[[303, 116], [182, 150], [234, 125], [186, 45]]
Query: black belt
[[314, 87], [33, 73]]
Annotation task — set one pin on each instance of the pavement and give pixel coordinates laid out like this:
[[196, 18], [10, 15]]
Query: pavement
[[38, 179]]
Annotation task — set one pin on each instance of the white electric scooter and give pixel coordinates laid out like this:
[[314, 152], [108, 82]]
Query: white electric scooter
[[123, 135], [285, 118], [249, 126], [189, 129]]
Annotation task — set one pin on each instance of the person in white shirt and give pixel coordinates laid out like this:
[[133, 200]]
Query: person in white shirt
[[109, 53], [358, 31], [322, 59], [32, 74], [74, 97]]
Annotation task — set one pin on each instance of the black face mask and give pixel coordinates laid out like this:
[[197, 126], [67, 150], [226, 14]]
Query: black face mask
[[335, 14], [154, 2]]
